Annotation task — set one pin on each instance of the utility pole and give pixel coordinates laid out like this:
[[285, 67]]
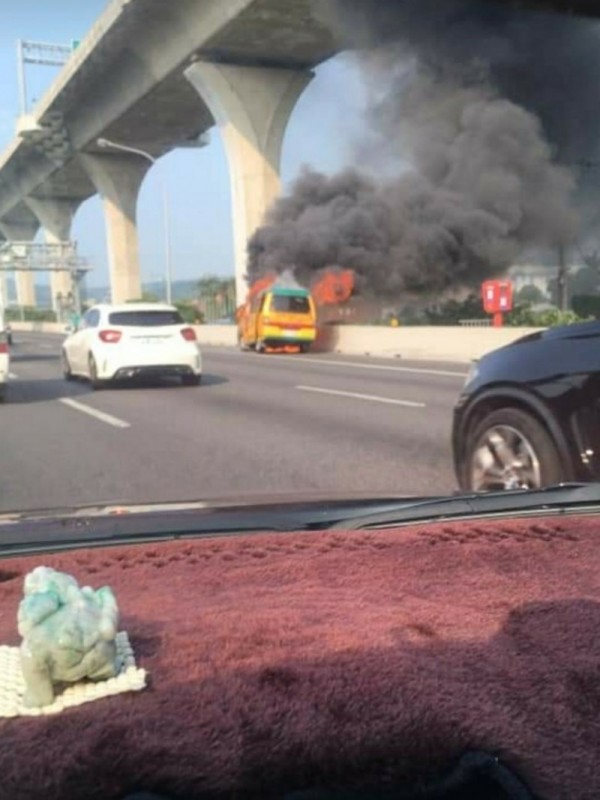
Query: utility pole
[[561, 279]]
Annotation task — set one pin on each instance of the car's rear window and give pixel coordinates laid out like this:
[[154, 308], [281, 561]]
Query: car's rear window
[[145, 318], [295, 304]]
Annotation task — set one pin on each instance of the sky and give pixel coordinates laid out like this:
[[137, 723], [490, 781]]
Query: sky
[[320, 133]]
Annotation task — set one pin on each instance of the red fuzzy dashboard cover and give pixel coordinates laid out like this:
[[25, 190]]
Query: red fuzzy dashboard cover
[[278, 662]]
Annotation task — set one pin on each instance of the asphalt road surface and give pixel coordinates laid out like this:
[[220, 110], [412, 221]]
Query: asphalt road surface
[[258, 424]]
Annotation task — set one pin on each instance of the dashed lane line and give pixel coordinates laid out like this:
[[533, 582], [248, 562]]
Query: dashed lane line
[[357, 396], [93, 412]]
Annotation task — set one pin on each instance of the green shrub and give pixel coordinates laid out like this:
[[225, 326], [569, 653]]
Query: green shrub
[[524, 317], [189, 312], [30, 314]]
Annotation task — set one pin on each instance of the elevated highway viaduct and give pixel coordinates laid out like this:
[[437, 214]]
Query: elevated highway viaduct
[[155, 75]]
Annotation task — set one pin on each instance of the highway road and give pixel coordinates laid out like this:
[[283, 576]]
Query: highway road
[[258, 424]]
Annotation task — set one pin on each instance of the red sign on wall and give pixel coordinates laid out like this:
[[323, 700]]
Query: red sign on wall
[[497, 298]]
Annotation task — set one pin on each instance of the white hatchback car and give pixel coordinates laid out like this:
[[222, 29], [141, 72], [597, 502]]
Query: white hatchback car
[[115, 342]]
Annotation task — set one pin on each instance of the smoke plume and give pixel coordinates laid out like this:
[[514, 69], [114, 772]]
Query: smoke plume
[[483, 128]]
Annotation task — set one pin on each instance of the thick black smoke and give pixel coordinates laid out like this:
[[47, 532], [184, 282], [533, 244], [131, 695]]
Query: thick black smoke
[[496, 112]]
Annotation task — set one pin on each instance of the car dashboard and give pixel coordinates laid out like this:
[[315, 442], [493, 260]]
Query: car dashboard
[[335, 664]]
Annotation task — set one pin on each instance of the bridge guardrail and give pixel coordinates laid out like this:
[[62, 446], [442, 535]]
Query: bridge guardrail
[[475, 323]]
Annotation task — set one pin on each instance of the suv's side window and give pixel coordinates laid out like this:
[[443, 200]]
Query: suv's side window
[[91, 318]]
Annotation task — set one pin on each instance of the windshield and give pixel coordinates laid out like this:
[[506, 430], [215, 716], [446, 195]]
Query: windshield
[[144, 318], [300, 399], [361, 276]]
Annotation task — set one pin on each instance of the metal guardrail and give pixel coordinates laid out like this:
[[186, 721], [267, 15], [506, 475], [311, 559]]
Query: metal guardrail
[[475, 323]]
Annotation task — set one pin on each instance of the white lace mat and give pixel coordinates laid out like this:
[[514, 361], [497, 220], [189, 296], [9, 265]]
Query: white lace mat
[[12, 684]]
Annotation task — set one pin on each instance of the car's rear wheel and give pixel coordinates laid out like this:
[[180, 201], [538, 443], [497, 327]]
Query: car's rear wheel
[[95, 382], [191, 380], [510, 449], [66, 367]]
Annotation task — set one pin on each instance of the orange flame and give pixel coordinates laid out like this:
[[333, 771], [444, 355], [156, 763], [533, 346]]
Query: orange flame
[[333, 287], [259, 285]]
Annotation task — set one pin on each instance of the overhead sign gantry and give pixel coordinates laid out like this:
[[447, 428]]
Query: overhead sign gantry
[[45, 257]]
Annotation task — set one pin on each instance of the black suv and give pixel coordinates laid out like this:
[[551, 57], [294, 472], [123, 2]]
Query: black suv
[[529, 413]]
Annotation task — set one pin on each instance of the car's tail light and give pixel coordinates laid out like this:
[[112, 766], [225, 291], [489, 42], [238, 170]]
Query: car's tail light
[[3, 347], [110, 337], [189, 334]]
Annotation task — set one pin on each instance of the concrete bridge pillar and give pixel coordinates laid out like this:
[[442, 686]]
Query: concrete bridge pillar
[[118, 179], [25, 281], [252, 106], [56, 217], [3, 287]]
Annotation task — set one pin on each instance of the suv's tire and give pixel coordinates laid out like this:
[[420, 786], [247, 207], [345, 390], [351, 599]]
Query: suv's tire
[[66, 367], [489, 446], [95, 381], [191, 380]]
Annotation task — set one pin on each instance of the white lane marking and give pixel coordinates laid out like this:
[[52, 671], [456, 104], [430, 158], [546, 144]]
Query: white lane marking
[[304, 359], [375, 398], [108, 418], [419, 370], [13, 376]]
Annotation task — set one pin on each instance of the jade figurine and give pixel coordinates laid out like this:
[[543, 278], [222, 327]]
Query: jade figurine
[[68, 634]]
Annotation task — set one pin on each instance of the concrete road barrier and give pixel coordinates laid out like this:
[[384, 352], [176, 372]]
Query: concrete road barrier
[[207, 334], [225, 335], [39, 327], [435, 343]]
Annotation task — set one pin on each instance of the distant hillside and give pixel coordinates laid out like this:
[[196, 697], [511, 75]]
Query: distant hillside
[[181, 290]]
